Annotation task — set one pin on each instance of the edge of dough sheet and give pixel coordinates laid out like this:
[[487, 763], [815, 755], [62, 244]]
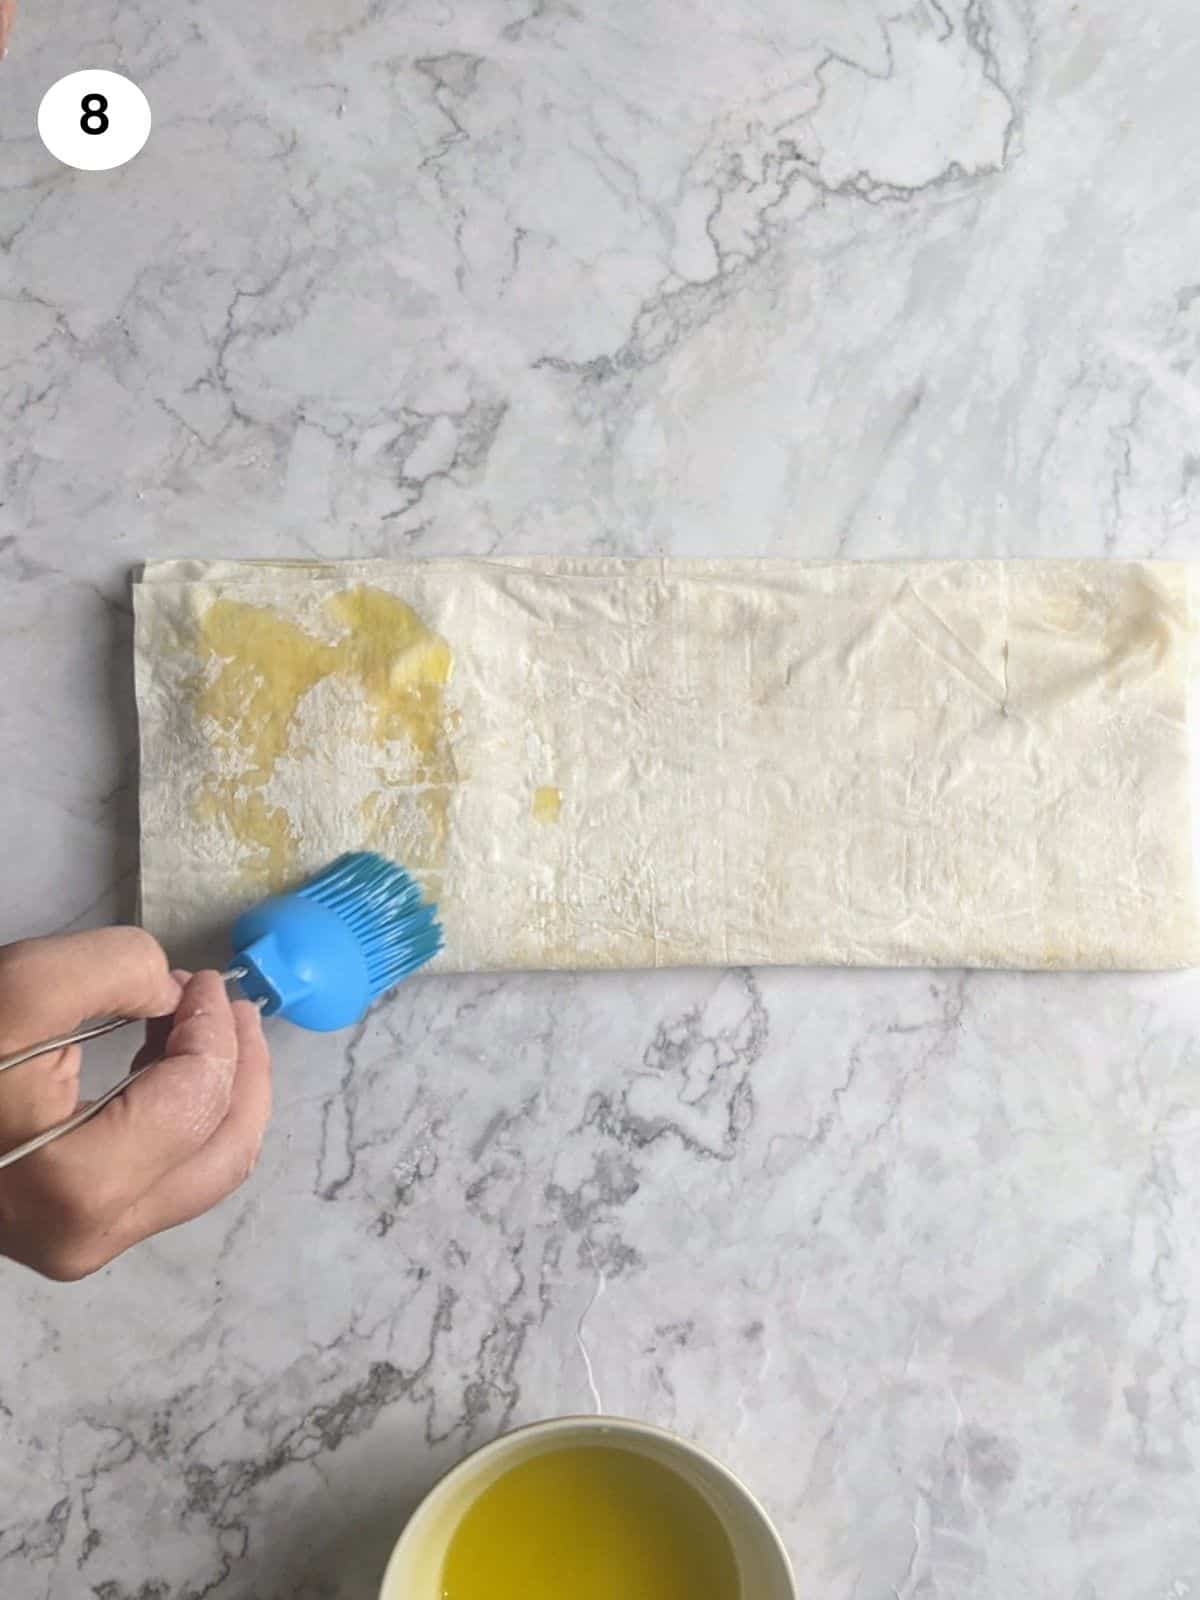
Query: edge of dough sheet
[[562, 855]]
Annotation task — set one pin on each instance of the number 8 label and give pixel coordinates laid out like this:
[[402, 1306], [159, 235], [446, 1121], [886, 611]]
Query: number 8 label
[[94, 107], [94, 120]]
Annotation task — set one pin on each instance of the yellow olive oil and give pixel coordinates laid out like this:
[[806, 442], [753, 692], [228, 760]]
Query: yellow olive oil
[[590, 1522]]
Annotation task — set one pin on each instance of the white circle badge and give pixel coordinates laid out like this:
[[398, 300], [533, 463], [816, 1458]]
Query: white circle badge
[[94, 120]]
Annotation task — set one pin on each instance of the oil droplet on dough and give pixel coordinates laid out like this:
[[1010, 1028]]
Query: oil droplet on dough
[[266, 829], [267, 664], [401, 664], [547, 803]]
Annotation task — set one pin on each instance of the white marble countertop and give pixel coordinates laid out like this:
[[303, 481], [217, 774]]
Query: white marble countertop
[[917, 1254]]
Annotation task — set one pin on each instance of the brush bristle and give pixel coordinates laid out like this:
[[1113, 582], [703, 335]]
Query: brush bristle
[[396, 929]]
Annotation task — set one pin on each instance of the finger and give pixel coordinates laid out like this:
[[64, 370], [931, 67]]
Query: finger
[[8, 10], [158, 1029], [228, 1158], [38, 1094], [163, 1118], [49, 986]]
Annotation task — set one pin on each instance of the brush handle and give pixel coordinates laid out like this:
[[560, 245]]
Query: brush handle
[[78, 1118], [90, 1030]]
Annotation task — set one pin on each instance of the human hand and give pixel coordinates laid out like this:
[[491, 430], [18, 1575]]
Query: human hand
[[171, 1146], [8, 10]]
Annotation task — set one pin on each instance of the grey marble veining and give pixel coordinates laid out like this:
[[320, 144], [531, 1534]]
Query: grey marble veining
[[917, 1254]]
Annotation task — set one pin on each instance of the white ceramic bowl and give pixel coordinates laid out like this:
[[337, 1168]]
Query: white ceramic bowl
[[415, 1570]]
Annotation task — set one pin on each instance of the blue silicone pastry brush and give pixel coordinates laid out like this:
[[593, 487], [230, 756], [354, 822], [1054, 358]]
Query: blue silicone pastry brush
[[317, 956], [320, 955]]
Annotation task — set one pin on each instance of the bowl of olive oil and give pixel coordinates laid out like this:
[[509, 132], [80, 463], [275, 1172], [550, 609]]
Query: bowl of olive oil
[[587, 1508]]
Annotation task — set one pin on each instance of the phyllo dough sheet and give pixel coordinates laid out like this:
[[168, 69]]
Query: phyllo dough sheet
[[601, 763]]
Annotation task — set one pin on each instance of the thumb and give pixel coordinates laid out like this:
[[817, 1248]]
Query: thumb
[[168, 1114]]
